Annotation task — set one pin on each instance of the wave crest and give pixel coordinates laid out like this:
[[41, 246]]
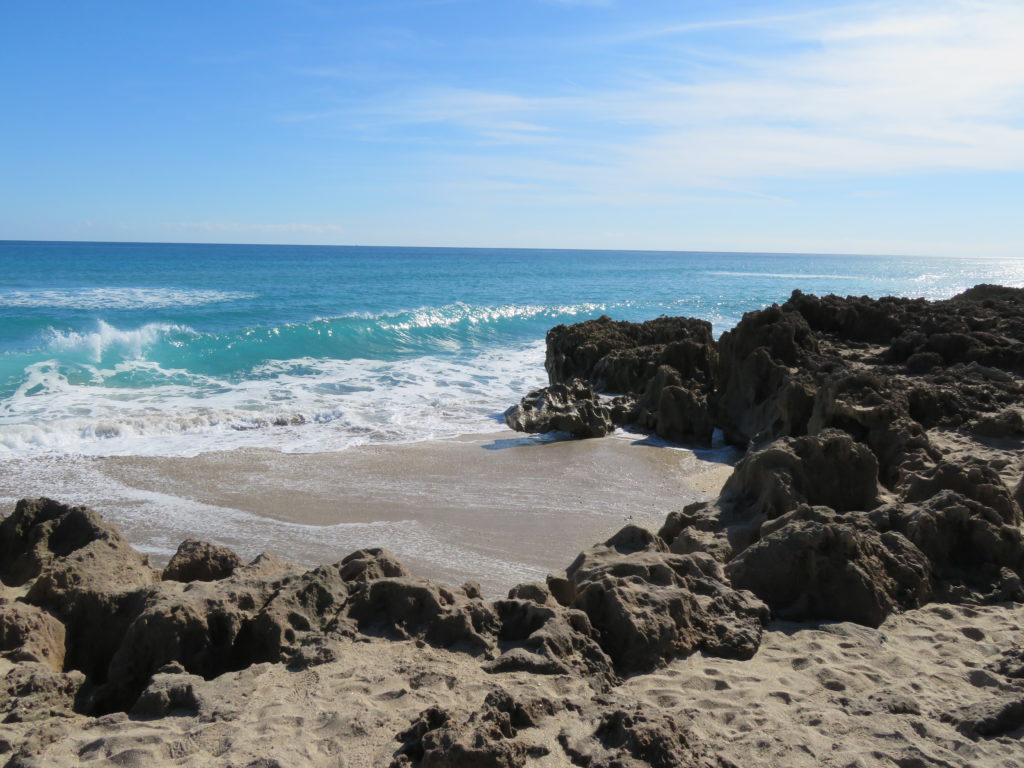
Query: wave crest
[[107, 339]]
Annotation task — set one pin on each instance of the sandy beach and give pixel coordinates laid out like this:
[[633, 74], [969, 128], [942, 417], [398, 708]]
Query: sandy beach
[[497, 508]]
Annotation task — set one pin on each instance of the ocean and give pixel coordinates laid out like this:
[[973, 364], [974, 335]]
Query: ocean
[[122, 349]]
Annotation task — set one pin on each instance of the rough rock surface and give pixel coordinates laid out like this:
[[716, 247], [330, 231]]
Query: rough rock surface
[[883, 465], [30, 634], [201, 561], [633, 737], [650, 606], [661, 372], [570, 408], [815, 566], [59, 543], [829, 469]]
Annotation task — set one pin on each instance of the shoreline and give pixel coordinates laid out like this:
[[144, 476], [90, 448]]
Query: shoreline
[[852, 596], [496, 508]]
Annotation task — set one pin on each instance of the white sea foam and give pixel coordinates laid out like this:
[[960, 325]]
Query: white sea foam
[[300, 405], [129, 343], [118, 298], [453, 314]]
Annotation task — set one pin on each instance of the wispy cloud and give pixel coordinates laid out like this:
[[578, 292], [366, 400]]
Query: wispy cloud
[[893, 89], [759, 21]]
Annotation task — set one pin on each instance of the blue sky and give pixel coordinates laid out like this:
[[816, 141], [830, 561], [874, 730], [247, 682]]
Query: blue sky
[[893, 127]]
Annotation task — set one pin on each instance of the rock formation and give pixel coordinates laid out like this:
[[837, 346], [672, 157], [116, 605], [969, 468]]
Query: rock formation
[[661, 372], [881, 437]]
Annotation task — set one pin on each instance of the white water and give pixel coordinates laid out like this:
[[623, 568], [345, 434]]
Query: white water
[[296, 406]]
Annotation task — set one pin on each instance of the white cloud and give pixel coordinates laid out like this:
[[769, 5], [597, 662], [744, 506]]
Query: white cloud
[[881, 89]]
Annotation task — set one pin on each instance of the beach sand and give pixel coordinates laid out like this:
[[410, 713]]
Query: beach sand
[[816, 694], [498, 508]]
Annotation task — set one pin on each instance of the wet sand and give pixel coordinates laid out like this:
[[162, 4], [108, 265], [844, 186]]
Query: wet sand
[[498, 508]]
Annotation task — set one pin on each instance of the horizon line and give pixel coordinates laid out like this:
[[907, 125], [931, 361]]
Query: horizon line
[[504, 248]]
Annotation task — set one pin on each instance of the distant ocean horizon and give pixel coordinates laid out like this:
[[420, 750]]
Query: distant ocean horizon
[[176, 349]]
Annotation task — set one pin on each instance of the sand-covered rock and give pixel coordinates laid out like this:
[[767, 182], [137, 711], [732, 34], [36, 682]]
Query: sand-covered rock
[[62, 544], [549, 639], [649, 605], [30, 634], [201, 561], [413, 608], [815, 566]]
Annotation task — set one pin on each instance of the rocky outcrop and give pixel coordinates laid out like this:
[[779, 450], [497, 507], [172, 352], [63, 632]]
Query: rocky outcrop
[[766, 383], [201, 561], [814, 565], [649, 606], [778, 372], [618, 356], [549, 639], [571, 408], [880, 433], [661, 374], [634, 737], [61, 544], [412, 608], [829, 469], [29, 634]]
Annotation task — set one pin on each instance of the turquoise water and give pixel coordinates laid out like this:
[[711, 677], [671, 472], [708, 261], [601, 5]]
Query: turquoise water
[[157, 349]]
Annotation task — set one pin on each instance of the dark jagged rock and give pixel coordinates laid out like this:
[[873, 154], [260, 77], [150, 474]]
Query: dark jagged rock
[[854, 318], [766, 381], [829, 469], [201, 561], [966, 541], [874, 411], [814, 565], [650, 606], [675, 411], [663, 372], [571, 408], [619, 356], [974, 480]]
